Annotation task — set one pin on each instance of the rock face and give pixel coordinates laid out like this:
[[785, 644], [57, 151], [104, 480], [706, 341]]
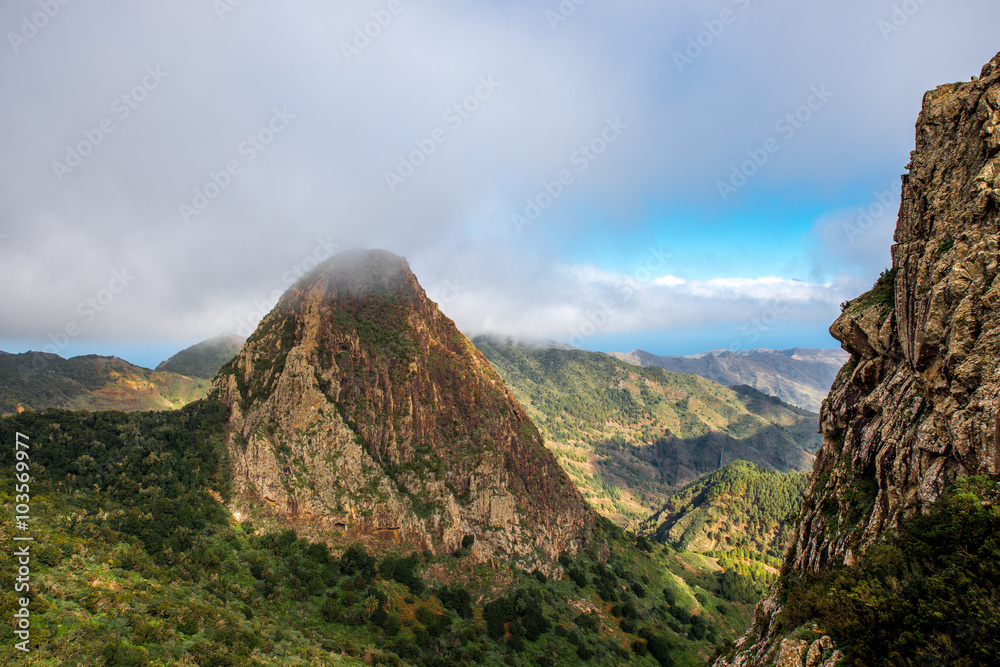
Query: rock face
[[360, 411], [916, 406]]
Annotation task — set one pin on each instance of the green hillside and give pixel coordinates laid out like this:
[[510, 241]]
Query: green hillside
[[739, 507], [628, 436], [37, 381], [136, 562], [204, 359]]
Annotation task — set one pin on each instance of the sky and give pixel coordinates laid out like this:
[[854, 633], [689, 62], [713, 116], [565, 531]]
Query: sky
[[675, 177]]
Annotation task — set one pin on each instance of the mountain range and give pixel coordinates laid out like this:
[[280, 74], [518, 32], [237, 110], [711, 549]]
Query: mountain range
[[628, 436], [39, 380], [798, 376]]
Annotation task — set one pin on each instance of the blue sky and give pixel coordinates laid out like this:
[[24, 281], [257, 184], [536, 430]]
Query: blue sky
[[212, 155]]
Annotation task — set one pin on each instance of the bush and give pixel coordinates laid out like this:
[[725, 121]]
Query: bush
[[124, 655], [403, 570], [924, 595], [356, 560], [458, 598]]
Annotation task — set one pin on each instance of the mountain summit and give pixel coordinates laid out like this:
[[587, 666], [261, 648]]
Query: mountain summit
[[358, 408]]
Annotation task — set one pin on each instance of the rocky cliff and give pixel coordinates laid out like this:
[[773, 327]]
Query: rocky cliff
[[359, 411], [916, 406]]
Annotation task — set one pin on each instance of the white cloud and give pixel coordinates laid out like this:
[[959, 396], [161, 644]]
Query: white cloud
[[669, 281], [324, 174]]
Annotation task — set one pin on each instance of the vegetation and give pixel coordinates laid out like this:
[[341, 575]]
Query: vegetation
[[740, 507], [628, 436], [925, 594], [136, 562], [883, 294], [204, 359], [38, 381]]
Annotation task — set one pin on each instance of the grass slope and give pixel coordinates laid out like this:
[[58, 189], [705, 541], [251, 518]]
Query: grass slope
[[628, 436]]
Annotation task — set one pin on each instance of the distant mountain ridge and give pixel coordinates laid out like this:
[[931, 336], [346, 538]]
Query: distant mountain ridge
[[799, 376], [521, 341], [204, 359], [628, 436], [39, 380]]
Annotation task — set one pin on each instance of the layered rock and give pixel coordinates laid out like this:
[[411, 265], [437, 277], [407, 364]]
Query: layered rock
[[359, 410], [916, 406]]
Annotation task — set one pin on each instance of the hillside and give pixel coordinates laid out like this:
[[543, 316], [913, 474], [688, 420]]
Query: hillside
[[740, 507], [136, 562], [38, 380], [895, 553], [629, 435], [204, 359], [798, 376]]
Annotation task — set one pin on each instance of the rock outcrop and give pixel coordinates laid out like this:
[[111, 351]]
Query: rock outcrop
[[360, 412], [917, 404]]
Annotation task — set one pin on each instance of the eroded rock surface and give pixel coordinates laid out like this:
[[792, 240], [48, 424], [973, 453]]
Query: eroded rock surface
[[359, 410], [917, 405]]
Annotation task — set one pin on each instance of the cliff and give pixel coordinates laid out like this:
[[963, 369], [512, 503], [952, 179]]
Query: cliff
[[360, 413], [915, 408]]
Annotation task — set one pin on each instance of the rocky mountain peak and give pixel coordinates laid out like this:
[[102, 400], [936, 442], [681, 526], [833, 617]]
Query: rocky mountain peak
[[916, 406], [361, 413]]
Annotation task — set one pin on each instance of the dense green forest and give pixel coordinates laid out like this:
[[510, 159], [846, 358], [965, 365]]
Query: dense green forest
[[629, 436], [136, 562]]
